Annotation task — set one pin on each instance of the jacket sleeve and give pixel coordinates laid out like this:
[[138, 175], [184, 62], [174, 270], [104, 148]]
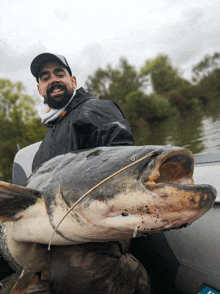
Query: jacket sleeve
[[102, 123]]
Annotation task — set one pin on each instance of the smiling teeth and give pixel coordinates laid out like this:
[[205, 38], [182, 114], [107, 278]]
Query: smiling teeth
[[57, 90]]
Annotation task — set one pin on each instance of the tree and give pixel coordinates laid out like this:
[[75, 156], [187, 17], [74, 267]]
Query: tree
[[149, 107], [206, 75], [114, 83], [205, 67], [153, 117], [142, 111], [164, 77], [19, 125]]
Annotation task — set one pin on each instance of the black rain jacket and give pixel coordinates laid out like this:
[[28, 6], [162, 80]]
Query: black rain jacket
[[89, 122]]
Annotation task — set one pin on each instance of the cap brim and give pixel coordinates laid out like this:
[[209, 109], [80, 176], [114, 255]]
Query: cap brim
[[40, 59]]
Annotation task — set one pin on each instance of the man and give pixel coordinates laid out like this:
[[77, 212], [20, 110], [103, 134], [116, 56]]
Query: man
[[77, 119]]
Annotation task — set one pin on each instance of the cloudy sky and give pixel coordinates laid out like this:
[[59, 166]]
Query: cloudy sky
[[93, 33]]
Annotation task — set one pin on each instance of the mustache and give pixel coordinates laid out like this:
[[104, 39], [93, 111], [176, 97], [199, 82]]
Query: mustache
[[53, 86]]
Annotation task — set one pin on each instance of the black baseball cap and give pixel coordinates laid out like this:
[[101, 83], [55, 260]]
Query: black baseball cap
[[40, 59]]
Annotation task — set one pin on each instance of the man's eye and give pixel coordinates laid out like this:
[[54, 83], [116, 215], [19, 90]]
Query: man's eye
[[44, 78]]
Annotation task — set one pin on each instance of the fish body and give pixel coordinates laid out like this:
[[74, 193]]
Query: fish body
[[155, 193]]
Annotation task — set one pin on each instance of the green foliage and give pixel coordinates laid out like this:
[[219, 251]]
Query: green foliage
[[19, 125], [149, 107], [166, 81], [164, 76], [114, 84], [166, 115], [206, 75], [142, 111], [185, 97], [206, 66], [210, 85]]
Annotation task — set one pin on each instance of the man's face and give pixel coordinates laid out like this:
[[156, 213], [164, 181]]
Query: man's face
[[55, 84]]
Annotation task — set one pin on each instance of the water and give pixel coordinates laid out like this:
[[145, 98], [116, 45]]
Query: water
[[198, 131], [199, 135], [210, 135]]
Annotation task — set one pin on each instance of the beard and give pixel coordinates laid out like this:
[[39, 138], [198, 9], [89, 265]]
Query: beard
[[57, 102]]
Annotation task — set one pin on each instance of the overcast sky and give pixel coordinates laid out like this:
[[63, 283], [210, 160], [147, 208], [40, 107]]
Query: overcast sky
[[93, 33]]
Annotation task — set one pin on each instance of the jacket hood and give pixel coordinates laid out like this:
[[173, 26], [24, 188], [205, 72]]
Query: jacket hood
[[80, 97]]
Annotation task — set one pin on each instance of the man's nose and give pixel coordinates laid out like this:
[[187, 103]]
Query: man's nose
[[54, 79], [53, 82]]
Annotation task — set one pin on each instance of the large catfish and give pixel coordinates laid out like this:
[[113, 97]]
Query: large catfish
[[155, 193]]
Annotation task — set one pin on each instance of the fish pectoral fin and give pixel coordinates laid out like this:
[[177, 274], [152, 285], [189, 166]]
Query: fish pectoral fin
[[14, 199], [26, 279]]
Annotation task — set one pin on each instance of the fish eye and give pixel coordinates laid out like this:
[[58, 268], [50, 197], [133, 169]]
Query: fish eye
[[133, 158]]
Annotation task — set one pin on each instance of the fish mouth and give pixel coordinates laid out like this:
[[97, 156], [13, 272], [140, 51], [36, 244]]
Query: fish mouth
[[172, 174], [173, 168]]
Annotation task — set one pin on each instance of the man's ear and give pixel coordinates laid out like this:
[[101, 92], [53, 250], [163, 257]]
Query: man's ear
[[39, 89], [73, 79]]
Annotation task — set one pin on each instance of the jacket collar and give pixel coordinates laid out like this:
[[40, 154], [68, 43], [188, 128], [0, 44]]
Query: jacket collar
[[80, 97]]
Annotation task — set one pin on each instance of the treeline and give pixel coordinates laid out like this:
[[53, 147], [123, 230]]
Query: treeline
[[19, 124], [154, 94], [157, 91]]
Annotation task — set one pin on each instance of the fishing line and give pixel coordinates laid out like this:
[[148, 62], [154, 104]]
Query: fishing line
[[155, 152]]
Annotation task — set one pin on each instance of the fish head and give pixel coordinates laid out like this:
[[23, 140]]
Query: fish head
[[133, 191]]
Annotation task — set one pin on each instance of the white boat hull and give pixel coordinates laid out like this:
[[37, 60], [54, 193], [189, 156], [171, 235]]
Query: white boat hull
[[197, 247]]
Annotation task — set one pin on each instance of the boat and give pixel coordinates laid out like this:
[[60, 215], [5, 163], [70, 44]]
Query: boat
[[197, 247]]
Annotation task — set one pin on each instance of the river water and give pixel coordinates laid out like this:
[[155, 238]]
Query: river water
[[197, 131], [210, 135]]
